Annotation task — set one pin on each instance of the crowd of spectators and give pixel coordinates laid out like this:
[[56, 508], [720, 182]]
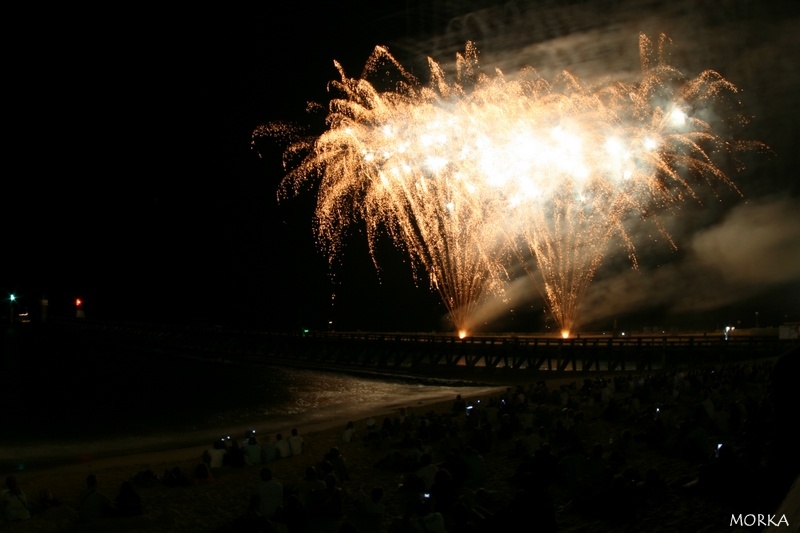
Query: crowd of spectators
[[597, 446], [603, 447]]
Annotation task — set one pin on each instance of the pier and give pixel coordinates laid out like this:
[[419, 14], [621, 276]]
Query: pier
[[431, 353]]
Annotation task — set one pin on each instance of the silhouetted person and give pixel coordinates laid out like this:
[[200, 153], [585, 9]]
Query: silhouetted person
[[94, 504], [336, 459], [14, 502], [202, 474], [332, 504], [236, 456], [253, 451], [267, 496], [459, 405], [129, 503], [544, 465], [309, 491], [427, 519], [784, 461], [444, 491], [369, 510]]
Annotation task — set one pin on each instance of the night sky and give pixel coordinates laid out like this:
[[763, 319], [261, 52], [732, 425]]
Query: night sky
[[131, 183]]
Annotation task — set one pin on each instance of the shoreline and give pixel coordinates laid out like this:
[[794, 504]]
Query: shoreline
[[681, 503], [65, 480], [25, 462], [22, 458]]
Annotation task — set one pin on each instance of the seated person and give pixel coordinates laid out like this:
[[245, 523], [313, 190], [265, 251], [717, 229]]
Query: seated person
[[349, 432], [14, 502], [129, 503], [369, 511], [202, 474], [267, 496], [269, 452], [94, 504], [296, 443], [214, 457], [282, 445], [253, 451], [236, 455]]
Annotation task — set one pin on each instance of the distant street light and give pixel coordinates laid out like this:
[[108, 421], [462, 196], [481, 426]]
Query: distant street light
[[11, 299]]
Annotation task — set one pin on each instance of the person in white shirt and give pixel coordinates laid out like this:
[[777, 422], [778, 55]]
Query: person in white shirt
[[215, 456], [349, 432], [284, 450], [296, 443]]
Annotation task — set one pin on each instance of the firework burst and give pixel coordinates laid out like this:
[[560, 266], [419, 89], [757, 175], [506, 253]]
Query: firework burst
[[473, 176]]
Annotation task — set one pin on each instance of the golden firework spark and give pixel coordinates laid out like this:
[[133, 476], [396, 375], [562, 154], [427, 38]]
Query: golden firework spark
[[470, 175]]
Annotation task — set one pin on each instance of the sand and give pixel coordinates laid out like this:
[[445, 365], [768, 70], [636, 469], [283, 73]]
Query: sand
[[199, 507], [220, 505]]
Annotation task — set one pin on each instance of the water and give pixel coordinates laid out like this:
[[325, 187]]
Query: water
[[62, 401]]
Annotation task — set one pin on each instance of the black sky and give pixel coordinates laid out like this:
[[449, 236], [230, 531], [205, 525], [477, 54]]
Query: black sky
[[131, 183]]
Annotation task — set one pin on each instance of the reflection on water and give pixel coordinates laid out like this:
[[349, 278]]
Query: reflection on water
[[66, 405]]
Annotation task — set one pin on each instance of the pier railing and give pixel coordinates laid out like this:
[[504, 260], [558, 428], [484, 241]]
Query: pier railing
[[432, 352]]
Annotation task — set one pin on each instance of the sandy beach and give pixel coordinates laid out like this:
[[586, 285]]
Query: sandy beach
[[677, 502], [200, 507]]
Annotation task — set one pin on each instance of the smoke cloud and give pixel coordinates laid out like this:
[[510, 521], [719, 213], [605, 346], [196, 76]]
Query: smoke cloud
[[754, 249]]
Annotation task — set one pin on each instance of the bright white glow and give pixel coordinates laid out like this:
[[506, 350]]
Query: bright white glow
[[435, 164], [467, 175], [677, 117]]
